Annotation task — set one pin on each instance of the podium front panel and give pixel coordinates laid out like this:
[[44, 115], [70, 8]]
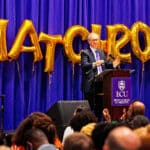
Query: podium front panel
[[106, 79], [121, 91]]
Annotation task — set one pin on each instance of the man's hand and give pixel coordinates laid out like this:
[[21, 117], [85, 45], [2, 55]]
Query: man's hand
[[98, 63], [116, 62], [124, 114]]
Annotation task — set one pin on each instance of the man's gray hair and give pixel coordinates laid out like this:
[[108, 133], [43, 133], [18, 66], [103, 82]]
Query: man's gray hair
[[91, 35]]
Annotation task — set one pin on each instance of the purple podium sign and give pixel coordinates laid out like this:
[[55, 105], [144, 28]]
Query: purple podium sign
[[121, 91]]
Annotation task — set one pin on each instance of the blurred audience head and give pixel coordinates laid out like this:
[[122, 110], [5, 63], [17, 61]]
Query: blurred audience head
[[144, 135], [4, 147], [139, 121], [122, 138], [36, 139], [81, 119], [101, 131], [136, 108], [78, 141], [35, 120]]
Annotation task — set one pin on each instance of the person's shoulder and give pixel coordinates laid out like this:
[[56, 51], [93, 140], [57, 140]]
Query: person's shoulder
[[101, 51], [48, 147], [69, 129], [85, 51]]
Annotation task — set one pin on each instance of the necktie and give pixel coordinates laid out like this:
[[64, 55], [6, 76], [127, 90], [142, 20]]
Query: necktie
[[99, 68]]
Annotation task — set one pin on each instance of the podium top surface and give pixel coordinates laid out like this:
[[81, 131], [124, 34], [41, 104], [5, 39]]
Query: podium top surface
[[113, 73]]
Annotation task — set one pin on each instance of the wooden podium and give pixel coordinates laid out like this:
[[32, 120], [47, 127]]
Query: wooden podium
[[105, 80]]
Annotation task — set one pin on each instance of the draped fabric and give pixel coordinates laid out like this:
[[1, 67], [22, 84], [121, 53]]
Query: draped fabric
[[27, 88]]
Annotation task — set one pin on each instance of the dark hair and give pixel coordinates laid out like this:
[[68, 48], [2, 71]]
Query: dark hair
[[81, 108], [139, 121], [34, 135], [35, 120], [81, 119], [102, 130], [78, 141]]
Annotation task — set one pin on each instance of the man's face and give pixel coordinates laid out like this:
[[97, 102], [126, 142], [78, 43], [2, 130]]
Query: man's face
[[94, 41]]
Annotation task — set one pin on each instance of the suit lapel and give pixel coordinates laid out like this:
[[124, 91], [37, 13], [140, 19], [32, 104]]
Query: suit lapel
[[91, 55]]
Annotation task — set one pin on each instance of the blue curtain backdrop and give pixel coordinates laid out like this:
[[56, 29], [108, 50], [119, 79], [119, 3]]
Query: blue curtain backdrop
[[27, 87]]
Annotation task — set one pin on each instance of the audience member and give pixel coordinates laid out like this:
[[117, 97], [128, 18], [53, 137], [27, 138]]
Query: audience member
[[78, 141], [81, 119], [144, 134], [99, 134], [139, 121], [102, 130], [41, 121], [135, 108], [122, 138], [88, 129], [35, 139], [69, 130], [4, 147]]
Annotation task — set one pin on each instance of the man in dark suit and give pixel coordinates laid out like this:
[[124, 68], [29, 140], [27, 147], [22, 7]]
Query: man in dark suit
[[93, 62]]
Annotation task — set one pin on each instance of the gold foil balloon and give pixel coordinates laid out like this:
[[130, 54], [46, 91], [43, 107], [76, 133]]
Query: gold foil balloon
[[96, 28], [114, 45], [3, 47], [135, 29], [103, 45], [50, 42], [26, 28], [69, 36]]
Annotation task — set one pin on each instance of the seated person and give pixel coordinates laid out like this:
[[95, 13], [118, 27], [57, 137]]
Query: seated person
[[122, 138], [35, 139], [135, 108], [78, 141], [37, 120], [144, 135], [69, 130]]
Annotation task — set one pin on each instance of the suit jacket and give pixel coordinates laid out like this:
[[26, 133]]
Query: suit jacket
[[88, 72]]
